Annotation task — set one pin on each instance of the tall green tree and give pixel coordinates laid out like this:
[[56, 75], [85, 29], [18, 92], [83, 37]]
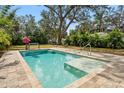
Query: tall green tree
[[29, 27], [116, 18], [27, 24], [100, 14], [49, 25], [7, 17], [66, 16], [8, 20]]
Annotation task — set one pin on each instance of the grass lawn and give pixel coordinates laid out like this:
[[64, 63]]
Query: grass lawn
[[103, 50], [22, 47]]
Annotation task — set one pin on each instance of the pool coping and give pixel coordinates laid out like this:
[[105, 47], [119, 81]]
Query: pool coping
[[75, 84], [32, 78], [87, 56]]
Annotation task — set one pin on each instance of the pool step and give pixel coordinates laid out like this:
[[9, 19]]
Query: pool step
[[86, 64], [78, 73]]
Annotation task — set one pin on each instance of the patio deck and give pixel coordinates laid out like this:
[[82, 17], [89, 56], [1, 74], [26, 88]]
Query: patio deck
[[13, 74]]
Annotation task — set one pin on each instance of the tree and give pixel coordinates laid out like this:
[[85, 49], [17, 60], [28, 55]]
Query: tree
[[29, 27], [66, 16], [48, 25], [101, 12], [61, 12], [27, 24], [85, 26], [8, 20], [117, 17]]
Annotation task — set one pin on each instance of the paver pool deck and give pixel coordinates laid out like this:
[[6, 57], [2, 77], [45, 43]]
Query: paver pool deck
[[15, 74]]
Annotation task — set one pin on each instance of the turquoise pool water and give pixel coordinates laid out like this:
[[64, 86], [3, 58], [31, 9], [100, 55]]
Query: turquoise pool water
[[49, 68]]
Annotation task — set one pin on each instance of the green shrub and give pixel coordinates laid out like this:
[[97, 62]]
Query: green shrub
[[5, 39], [83, 38], [115, 39], [102, 40], [17, 40], [74, 40], [78, 39], [94, 40], [38, 37], [67, 40]]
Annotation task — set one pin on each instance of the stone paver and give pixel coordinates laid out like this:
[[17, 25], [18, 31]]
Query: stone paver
[[3, 83], [12, 83], [12, 74], [3, 73], [112, 77]]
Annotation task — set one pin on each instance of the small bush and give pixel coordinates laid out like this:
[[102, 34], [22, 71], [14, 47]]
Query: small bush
[[67, 41], [94, 40], [5, 39], [115, 39], [17, 40], [74, 40], [83, 39], [103, 42]]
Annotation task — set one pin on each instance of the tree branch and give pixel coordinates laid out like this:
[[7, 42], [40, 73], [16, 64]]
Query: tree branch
[[51, 9], [71, 8], [71, 20]]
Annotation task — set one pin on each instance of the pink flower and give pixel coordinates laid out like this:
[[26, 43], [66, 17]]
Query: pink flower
[[26, 40]]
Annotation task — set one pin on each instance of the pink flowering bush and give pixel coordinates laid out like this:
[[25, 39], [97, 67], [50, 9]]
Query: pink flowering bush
[[26, 40]]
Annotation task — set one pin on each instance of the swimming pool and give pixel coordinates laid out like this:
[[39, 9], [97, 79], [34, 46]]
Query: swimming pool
[[48, 66], [50, 69]]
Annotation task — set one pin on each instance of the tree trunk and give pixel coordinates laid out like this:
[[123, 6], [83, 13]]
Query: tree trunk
[[59, 39], [101, 26], [59, 31], [26, 47]]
